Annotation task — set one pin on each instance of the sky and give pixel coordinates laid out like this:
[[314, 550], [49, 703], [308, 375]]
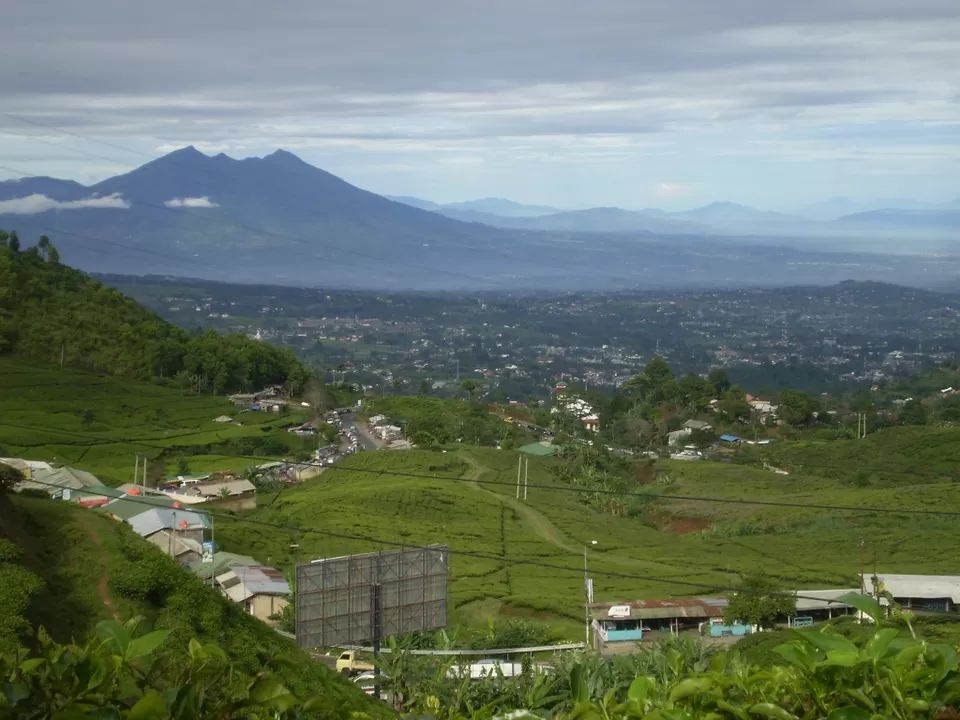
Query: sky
[[630, 103]]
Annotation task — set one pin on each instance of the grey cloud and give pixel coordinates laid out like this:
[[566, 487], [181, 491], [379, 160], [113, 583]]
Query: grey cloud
[[33, 204], [378, 73]]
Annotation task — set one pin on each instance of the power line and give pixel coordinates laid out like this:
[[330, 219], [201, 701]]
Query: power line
[[549, 488], [504, 559]]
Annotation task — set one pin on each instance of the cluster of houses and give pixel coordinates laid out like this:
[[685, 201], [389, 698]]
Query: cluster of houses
[[270, 399], [381, 427], [623, 624], [164, 517]]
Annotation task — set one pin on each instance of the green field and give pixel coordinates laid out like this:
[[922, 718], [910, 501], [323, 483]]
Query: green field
[[98, 423], [666, 544]]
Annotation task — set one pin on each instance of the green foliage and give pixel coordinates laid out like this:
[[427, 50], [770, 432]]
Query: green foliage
[[9, 478], [796, 407], [913, 413], [121, 673], [808, 674], [434, 421], [511, 634], [52, 313], [759, 601], [17, 588]]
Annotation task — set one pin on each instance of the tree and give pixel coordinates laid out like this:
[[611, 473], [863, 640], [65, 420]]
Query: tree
[[183, 467], [470, 387], [796, 407], [733, 405], [702, 438], [424, 387], [913, 413], [13, 242], [43, 246], [721, 383], [759, 601], [10, 477]]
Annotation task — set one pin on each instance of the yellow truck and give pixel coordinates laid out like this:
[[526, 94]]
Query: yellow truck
[[351, 663]]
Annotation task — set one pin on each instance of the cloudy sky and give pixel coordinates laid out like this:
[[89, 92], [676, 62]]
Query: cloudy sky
[[774, 103]]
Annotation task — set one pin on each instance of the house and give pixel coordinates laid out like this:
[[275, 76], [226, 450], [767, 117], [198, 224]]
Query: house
[[634, 621], [132, 503], [731, 438], [179, 533], [223, 419], [60, 483], [700, 425], [221, 562], [225, 488], [591, 423], [819, 605], [261, 590], [925, 593], [676, 436]]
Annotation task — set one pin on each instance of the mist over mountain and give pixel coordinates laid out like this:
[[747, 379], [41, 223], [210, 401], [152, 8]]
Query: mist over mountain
[[825, 227], [278, 219]]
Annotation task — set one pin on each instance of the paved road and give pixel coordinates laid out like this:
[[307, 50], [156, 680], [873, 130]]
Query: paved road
[[367, 441]]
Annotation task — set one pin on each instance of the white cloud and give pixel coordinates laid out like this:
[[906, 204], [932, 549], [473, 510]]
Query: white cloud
[[672, 190], [191, 202], [36, 203]]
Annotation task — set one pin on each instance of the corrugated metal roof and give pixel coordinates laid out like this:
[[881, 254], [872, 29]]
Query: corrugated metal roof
[[820, 599], [63, 478], [663, 609], [156, 519], [221, 561], [244, 581], [125, 509], [928, 587]]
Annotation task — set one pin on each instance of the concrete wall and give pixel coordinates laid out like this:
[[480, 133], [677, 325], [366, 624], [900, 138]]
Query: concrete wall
[[263, 606], [244, 502]]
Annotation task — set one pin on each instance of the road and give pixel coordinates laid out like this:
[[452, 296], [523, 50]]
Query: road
[[367, 441]]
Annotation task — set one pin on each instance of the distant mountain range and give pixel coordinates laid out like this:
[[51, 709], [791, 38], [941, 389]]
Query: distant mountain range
[[719, 218], [280, 220]]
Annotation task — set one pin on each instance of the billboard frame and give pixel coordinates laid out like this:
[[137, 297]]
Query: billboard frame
[[349, 600]]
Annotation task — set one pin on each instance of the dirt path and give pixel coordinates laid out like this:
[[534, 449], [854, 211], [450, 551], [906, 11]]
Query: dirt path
[[537, 521], [549, 532], [102, 589]]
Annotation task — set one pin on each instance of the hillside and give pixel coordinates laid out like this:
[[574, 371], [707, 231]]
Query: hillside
[[52, 313], [66, 567], [665, 547], [99, 422]]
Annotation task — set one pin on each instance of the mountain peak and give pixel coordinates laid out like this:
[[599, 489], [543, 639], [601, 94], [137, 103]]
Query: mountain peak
[[285, 157], [185, 152]]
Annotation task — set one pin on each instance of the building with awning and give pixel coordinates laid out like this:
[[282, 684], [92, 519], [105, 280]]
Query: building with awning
[[628, 621]]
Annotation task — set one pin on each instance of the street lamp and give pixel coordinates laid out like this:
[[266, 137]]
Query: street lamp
[[586, 596]]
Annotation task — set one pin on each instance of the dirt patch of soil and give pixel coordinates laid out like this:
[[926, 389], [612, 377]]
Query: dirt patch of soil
[[684, 526]]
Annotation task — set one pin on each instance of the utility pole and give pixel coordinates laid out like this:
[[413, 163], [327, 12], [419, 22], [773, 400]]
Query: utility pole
[[136, 468], [519, 463], [526, 476], [586, 597], [375, 621]]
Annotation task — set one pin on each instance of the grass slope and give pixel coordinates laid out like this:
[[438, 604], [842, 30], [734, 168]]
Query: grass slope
[[43, 417], [804, 548], [88, 565]]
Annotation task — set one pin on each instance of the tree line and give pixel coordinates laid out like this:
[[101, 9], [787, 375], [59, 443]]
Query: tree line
[[55, 314]]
